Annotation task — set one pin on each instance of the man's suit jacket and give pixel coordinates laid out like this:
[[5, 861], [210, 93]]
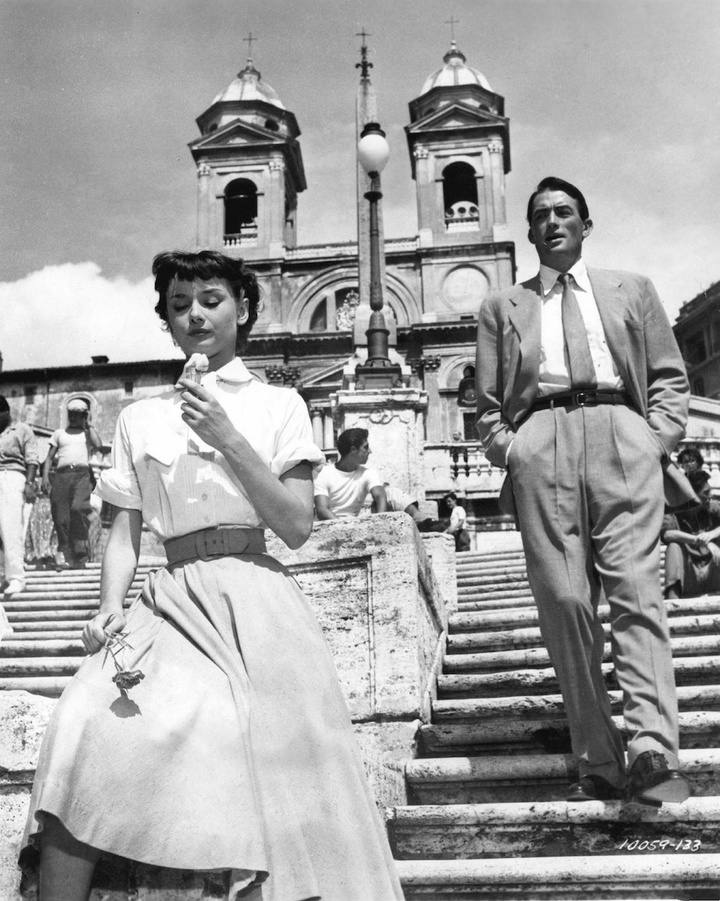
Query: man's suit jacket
[[639, 337]]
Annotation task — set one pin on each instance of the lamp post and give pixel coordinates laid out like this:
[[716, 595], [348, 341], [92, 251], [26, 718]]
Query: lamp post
[[378, 371]]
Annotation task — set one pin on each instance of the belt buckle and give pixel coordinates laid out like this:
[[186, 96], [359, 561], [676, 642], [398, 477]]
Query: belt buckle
[[585, 398]]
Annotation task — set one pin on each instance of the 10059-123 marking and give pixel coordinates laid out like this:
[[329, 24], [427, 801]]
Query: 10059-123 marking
[[658, 844]]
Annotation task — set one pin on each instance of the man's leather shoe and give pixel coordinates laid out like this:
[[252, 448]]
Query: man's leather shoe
[[593, 788], [652, 782]]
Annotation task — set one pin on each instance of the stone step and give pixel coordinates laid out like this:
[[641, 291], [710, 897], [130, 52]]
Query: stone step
[[39, 666], [48, 633], [630, 877], [690, 670], [546, 828], [43, 617], [505, 575], [14, 647], [48, 686], [698, 729], [498, 582], [466, 605], [526, 777], [469, 557], [468, 621], [58, 607], [690, 697], [466, 642], [702, 645]]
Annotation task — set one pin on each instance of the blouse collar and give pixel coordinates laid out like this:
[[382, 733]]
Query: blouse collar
[[233, 373]]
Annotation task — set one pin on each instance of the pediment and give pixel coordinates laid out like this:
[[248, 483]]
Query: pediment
[[237, 133], [455, 115], [329, 376]]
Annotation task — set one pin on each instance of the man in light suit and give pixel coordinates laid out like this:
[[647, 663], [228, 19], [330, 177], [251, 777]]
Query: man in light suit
[[582, 396]]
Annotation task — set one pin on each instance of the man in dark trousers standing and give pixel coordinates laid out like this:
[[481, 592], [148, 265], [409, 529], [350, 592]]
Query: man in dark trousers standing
[[582, 396]]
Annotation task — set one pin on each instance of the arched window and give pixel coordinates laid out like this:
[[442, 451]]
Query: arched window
[[460, 197], [241, 209], [467, 396]]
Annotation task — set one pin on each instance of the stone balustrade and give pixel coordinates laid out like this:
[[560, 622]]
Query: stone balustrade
[[462, 466]]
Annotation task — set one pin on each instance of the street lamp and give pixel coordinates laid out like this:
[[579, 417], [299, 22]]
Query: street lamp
[[378, 371]]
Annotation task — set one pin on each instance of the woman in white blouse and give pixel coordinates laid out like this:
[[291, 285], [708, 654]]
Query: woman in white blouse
[[212, 735]]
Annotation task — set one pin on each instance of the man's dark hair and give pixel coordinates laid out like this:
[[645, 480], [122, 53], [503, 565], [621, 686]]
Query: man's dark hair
[[698, 479], [451, 495], [552, 183], [691, 455], [350, 439], [207, 265]]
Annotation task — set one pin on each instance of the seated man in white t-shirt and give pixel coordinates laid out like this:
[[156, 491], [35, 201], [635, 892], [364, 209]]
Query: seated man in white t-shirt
[[341, 488]]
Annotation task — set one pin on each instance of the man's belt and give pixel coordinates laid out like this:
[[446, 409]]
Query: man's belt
[[589, 397], [73, 467], [214, 543]]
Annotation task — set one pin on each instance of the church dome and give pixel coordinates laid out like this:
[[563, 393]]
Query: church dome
[[249, 86], [454, 72]]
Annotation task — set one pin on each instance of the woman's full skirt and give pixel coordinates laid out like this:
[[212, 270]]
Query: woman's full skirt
[[234, 752]]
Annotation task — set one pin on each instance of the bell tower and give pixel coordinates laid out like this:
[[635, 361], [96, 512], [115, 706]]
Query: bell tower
[[250, 170], [459, 143]]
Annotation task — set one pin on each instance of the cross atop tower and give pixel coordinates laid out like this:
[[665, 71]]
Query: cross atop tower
[[452, 22], [249, 41], [364, 65]]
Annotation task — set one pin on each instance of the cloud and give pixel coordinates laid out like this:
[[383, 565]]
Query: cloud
[[66, 314]]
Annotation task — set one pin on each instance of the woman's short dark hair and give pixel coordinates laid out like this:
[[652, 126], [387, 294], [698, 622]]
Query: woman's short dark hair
[[207, 265], [349, 439], [698, 479], [552, 183], [691, 455]]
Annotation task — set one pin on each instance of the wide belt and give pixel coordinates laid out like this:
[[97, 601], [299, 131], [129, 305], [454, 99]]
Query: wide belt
[[214, 543], [73, 467], [588, 397]]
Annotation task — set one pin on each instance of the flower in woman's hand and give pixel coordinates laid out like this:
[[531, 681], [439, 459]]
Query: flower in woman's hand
[[125, 679], [115, 645]]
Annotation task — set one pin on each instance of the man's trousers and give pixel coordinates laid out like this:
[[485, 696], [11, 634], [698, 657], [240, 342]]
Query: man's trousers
[[12, 524], [71, 509], [589, 494]]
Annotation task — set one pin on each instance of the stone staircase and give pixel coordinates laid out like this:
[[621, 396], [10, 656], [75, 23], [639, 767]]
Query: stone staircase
[[45, 648], [488, 819]]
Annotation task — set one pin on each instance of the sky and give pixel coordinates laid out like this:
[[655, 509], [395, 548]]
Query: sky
[[100, 99]]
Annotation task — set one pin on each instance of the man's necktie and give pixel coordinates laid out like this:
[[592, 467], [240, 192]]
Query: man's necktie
[[580, 363]]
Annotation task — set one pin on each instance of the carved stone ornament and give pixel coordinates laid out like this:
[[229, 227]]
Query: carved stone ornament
[[283, 375], [495, 147], [420, 365], [203, 169], [420, 153], [345, 316]]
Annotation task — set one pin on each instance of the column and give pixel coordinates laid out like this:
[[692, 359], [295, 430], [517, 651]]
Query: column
[[329, 432], [203, 208], [317, 426]]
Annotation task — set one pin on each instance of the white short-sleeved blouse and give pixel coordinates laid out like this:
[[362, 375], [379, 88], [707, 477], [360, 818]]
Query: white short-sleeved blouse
[[160, 466]]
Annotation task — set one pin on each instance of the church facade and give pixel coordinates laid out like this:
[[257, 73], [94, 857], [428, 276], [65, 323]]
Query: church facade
[[250, 182]]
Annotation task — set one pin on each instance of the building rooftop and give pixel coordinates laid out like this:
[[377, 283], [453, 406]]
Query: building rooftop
[[249, 86], [454, 72]]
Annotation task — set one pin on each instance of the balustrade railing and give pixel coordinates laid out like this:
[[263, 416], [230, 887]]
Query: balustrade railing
[[462, 466]]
